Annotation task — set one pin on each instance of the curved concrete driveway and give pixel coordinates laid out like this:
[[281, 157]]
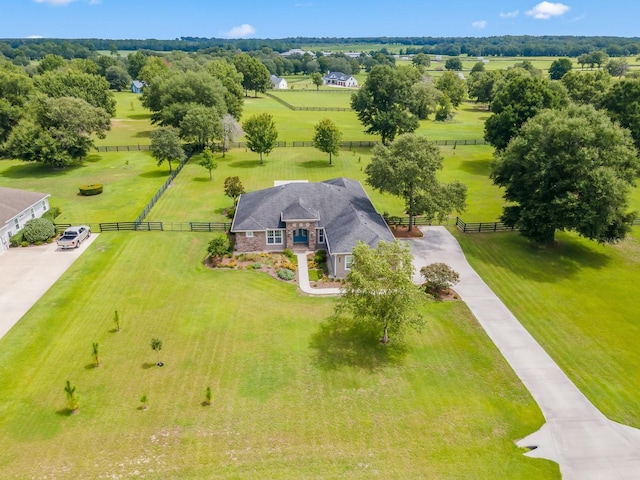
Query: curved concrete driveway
[[577, 436], [27, 273]]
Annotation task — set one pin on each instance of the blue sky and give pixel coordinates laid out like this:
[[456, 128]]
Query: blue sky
[[168, 19]]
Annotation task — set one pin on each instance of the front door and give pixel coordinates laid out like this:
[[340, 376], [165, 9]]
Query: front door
[[301, 235]]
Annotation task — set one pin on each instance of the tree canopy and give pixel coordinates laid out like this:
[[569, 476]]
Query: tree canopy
[[407, 168], [93, 89], [622, 102], [166, 145], [261, 134], [382, 104], [559, 68], [255, 75], [59, 132], [569, 169], [327, 137], [379, 289], [517, 100]]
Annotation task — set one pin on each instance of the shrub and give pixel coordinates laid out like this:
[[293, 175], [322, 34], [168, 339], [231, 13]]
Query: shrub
[[92, 189], [52, 213], [439, 277], [16, 239], [24, 243], [290, 255], [286, 274], [256, 266], [320, 256], [38, 230], [219, 246]]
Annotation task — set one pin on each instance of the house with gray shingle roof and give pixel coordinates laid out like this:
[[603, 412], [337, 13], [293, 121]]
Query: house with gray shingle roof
[[332, 215], [16, 208], [278, 83], [339, 79]]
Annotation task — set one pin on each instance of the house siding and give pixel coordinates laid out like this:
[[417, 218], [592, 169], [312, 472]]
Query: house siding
[[257, 243], [10, 228], [338, 265]]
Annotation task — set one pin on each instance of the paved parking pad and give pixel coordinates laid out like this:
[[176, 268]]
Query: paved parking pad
[[27, 273]]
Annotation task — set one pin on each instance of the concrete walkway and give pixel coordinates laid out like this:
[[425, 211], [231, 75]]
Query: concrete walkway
[[27, 273], [577, 436], [303, 279]]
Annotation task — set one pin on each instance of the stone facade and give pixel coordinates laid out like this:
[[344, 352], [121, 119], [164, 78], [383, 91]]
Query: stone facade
[[256, 243], [301, 247]]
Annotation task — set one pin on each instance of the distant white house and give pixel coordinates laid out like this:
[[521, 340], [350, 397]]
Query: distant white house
[[339, 79], [278, 83], [137, 86], [16, 208], [297, 52]]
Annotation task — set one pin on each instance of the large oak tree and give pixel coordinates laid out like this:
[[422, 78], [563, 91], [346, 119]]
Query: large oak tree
[[569, 169]]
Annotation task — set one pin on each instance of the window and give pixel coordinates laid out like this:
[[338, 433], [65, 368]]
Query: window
[[347, 262], [33, 213], [44, 205], [248, 234], [320, 235], [17, 223], [274, 237]]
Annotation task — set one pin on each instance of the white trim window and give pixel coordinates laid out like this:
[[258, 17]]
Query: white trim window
[[274, 237], [348, 259], [320, 235], [33, 213], [248, 234]]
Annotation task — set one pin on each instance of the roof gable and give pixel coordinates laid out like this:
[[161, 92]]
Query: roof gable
[[14, 201], [340, 206]]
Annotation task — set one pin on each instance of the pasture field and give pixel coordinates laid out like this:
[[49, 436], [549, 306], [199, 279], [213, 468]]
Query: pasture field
[[132, 123], [578, 300], [130, 179], [193, 197], [294, 395]]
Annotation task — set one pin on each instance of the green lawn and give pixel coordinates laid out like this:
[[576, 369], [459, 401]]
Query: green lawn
[[578, 299], [293, 394], [131, 124], [336, 98], [130, 179], [193, 197]]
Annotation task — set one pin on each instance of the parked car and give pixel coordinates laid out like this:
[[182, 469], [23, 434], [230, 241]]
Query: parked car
[[73, 236]]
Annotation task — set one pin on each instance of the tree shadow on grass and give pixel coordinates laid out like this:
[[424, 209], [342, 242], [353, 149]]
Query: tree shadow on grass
[[316, 164], [476, 167], [65, 412], [37, 170], [147, 365], [341, 342], [202, 180], [545, 263], [155, 174], [143, 134], [245, 164]]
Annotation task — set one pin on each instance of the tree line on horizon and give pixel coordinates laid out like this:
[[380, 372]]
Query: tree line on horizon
[[507, 45]]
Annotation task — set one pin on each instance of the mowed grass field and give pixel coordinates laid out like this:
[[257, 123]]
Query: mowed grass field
[[578, 299], [193, 197], [294, 395], [130, 179]]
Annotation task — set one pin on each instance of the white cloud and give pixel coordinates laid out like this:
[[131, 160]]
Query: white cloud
[[55, 2], [546, 10], [479, 24], [243, 30], [35, 36], [509, 14]]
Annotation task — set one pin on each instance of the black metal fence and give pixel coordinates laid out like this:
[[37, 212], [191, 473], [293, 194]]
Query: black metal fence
[[481, 227], [152, 227], [161, 190], [124, 148]]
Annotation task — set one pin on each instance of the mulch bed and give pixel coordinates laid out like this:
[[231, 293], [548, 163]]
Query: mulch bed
[[403, 232]]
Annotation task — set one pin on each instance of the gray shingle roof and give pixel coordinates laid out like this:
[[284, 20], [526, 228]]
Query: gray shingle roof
[[13, 202], [342, 206]]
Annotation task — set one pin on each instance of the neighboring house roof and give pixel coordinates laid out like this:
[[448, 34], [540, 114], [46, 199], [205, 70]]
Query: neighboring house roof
[[297, 51], [13, 202], [338, 76], [340, 206], [138, 83], [276, 80]]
